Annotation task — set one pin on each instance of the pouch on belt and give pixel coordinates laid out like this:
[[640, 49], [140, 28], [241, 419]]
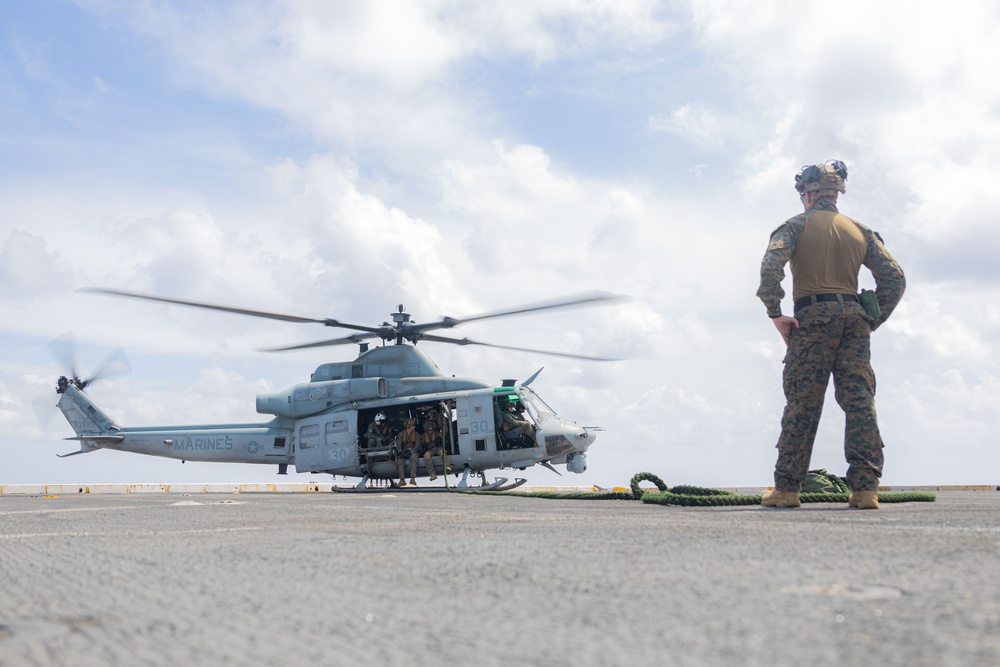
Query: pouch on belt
[[870, 303]]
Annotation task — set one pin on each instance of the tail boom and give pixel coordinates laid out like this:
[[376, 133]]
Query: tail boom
[[94, 429], [268, 443]]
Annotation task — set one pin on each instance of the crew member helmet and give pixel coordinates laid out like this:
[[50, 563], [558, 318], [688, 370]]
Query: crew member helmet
[[831, 175], [380, 418]]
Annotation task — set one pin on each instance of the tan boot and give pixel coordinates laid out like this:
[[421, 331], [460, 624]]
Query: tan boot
[[863, 500], [780, 499], [413, 481], [430, 467], [401, 483]]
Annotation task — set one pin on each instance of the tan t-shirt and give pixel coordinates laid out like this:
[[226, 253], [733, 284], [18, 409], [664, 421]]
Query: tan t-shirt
[[828, 255]]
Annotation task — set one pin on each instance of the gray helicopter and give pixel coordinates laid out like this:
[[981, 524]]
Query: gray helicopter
[[323, 426]]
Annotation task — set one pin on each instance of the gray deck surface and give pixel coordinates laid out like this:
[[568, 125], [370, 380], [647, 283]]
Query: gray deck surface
[[436, 579]]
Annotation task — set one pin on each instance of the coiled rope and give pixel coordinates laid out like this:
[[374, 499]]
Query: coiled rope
[[696, 496]]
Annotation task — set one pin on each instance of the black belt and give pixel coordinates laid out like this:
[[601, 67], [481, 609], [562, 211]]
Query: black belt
[[817, 298]]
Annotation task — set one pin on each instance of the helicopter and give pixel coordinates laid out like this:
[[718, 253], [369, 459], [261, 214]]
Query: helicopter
[[322, 426]]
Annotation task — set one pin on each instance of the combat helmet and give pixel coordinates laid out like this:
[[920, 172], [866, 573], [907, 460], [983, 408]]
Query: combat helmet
[[831, 175]]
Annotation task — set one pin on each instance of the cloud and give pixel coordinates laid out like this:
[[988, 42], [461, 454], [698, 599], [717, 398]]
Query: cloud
[[356, 239], [29, 269], [700, 125], [381, 76], [509, 191], [849, 88], [371, 157], [182, 252]]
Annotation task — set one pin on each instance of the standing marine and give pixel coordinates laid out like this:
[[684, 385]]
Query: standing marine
[[829, 332]]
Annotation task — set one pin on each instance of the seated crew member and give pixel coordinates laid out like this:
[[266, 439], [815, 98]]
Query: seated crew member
[[432, 443], [379, 433], [515, 425], [409, 441]]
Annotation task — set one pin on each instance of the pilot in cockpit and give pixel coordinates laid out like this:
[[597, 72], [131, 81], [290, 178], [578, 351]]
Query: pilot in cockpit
[[514, 423]]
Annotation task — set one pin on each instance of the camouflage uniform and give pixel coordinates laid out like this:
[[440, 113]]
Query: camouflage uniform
[[431, 446], [379, 436], [832, 337], [515, 425], [408, 440]]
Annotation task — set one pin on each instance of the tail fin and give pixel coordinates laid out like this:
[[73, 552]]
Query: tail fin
[[94, 429]]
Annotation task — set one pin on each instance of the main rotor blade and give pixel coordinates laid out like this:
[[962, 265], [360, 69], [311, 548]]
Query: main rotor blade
[[584, 299], [199, 304], [356, 338], [230, 309], [466, 341]]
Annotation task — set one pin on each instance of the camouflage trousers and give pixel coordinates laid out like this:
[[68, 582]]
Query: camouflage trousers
[[833, 338], [401, 458]]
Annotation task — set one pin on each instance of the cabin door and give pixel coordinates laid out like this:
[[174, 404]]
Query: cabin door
[[327, 443], [476, 430]]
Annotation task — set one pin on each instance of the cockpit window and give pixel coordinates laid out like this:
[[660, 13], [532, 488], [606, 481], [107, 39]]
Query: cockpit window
[[537, 408]]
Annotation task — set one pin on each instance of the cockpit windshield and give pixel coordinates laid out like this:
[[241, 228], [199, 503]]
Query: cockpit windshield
[[538, 409]]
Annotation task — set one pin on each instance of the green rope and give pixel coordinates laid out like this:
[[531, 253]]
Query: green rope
[[814, 477], [645, 477], [722, 498], [696, 496]]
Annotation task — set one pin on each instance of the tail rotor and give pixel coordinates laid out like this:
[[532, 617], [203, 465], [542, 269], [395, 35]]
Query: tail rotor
[[64, 350]]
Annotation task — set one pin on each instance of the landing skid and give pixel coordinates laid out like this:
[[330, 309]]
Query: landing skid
[[507, 487], [499, 485]]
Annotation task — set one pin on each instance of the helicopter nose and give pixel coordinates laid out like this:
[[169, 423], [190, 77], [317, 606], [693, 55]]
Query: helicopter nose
[[566, 438], [582, 437]]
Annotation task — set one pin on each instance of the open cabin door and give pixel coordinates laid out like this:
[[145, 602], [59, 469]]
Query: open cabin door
[[326, 443]]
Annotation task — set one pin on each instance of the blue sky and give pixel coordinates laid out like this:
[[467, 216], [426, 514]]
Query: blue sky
[[335, 160]]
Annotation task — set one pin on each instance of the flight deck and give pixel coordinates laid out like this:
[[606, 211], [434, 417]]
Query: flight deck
[[390, 578]]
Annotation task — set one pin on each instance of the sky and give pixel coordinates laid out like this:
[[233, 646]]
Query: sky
[[337, 159]]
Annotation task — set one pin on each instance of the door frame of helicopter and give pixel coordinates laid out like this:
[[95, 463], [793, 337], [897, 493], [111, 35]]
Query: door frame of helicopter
[[334, 442], [481, 438]]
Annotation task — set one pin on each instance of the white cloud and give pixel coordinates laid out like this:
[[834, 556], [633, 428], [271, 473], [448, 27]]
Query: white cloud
[[29, 269], [700, 125], [411, 180], [379, 75]]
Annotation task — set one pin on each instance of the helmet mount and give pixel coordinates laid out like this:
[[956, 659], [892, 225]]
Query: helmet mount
[[830, 175]]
